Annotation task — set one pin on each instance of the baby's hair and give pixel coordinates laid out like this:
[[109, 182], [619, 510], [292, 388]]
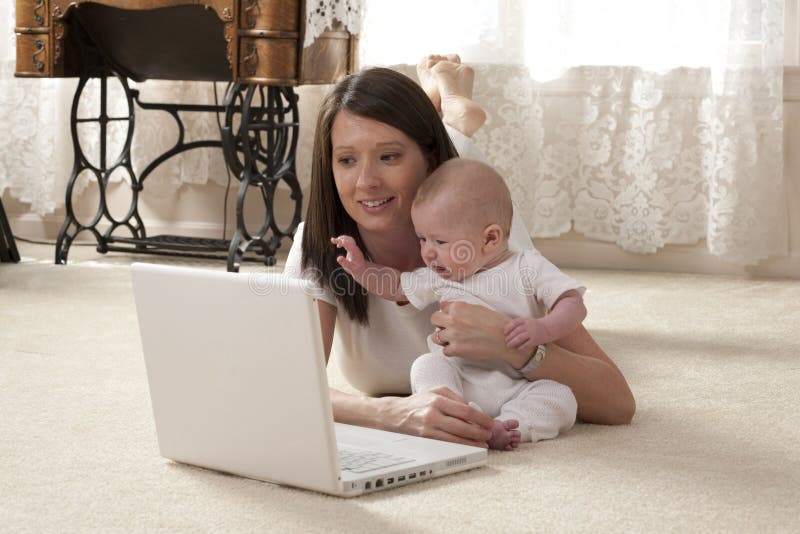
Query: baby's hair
[[474, 187]]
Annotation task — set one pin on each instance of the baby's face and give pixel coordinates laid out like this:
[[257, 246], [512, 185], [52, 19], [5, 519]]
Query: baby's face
[[449, 245]]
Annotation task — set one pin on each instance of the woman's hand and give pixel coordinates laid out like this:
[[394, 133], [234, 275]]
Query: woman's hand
[[473, 331], [437, 414]]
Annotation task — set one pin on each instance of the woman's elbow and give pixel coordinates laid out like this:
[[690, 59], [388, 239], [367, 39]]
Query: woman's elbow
[[627, 413], [617, 411], [624, 412]]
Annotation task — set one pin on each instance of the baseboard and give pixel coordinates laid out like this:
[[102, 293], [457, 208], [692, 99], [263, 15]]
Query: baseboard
[[37, 228], [791, 84], [576, 251]]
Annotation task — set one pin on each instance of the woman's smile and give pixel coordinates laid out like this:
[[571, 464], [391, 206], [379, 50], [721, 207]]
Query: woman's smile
[[375, 205]]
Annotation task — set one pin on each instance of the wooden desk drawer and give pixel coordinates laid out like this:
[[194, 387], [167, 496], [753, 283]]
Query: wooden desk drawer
[[280, 15], [268, 59], [33, 54], [32, 13]]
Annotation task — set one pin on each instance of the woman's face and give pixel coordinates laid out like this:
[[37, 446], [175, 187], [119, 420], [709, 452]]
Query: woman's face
[[377, 169]]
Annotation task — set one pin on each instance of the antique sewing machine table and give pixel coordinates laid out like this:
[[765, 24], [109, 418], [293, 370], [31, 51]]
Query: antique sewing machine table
[[255, 45]]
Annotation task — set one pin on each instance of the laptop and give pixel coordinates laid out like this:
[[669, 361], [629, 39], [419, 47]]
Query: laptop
[[238, 384]]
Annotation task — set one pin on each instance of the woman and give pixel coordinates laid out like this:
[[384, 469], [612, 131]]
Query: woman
[[378, 137]]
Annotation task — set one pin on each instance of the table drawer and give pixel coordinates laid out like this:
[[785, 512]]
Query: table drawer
[[268, 59], [33, 54], [32, 13], [280, 15]]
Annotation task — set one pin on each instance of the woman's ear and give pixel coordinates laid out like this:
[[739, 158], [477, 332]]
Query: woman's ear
[[492, 237], [432, 159]]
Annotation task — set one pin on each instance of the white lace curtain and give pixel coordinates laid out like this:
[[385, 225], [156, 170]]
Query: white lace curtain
[[639, 123]]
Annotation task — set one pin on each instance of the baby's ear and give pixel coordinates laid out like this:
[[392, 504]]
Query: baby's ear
[[492, 235]]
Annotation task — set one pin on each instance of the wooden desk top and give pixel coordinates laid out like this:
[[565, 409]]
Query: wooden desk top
[[252, 41]]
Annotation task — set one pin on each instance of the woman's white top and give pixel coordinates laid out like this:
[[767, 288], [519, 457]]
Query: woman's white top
[[376, 359]]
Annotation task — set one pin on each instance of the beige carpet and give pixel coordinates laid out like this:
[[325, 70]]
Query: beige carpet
[[715, 445]]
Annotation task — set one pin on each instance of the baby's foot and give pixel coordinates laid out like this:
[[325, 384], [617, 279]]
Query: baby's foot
[[428, 80], [455, 83], [504, 436]]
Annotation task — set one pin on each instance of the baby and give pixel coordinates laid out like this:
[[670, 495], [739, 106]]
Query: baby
[[462, 216]]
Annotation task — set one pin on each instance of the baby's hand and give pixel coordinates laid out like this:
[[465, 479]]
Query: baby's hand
[[354, 263], [524, 334]]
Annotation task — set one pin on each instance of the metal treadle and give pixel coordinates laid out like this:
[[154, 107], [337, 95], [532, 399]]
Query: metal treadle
[[197, 247], [179, 242]]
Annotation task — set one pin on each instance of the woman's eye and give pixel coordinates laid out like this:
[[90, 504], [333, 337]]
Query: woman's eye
[[438, 242], [390, 157], [345, 160]]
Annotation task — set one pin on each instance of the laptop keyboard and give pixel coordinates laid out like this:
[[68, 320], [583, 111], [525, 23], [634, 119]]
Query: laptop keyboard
[[362, 460]]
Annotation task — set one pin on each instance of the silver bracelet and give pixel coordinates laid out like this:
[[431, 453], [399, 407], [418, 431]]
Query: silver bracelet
[[534, 361]]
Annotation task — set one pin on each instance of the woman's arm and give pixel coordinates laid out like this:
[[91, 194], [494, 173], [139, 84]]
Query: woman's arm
[[576, 360], [327, 323], [600, 388], [437, 414]]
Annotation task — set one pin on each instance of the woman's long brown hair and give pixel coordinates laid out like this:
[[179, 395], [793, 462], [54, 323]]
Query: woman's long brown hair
[[385, 96]]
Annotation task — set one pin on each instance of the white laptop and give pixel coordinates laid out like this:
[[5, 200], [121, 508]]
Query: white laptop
[[238, 384]]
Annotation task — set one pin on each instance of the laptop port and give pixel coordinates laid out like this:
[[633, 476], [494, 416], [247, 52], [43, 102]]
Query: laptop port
[[412, 475], [390, 481], [379, 483], [422, 473], [368, 485], [401, 478]]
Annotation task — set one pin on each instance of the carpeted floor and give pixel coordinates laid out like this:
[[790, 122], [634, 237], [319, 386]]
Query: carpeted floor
[[714, 446]]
